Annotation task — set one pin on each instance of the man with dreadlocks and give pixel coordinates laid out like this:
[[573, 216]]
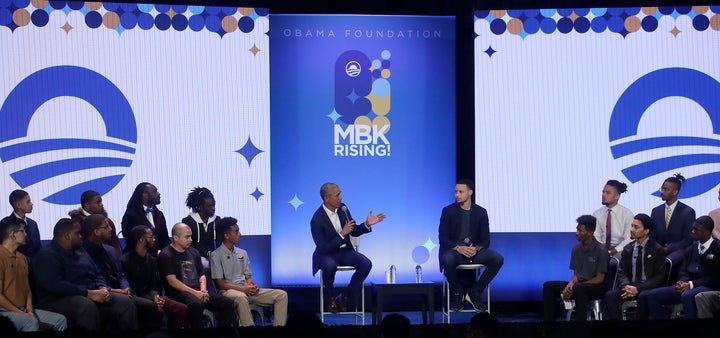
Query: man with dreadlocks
[[142, 210], [201, 221]]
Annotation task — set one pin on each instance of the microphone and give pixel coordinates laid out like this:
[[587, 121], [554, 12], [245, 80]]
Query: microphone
[[344, 209], [467, 242]]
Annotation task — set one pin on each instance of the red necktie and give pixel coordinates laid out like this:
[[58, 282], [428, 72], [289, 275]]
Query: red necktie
[[607, 231]]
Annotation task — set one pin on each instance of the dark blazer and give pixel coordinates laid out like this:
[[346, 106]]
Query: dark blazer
[[32, 243], [451, 226], [327, 240], [654, 266], [702, 270], [136, 216], [677, 235]]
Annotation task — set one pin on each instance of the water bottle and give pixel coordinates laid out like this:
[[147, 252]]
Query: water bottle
[[392, 274], [418, 274]]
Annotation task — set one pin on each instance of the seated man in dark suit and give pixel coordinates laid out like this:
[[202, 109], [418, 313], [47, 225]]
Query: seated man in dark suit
[[142, 275], [588, 261], [699, 272], [68, 282], [673, 220], [331, 227], [96, 231], [142, 210], [464, 234], [22, 205], [642, 267]]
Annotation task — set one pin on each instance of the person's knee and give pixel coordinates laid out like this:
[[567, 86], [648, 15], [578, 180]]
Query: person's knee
[[366, 265], [498, 260], [687, 296], [448, 258]]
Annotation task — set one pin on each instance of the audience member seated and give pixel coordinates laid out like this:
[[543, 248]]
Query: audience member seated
[[302, 324], [142, 209], [588, 261], [708, 304], [230, 268], [673, 220], [395, 325], [91, 203], [699, 272], [483, 325], [464, 234], [202, 221], [642, 267], [141, 272], [69, 282], [22, 205], [95, 232], [16, 301], [185, 282]]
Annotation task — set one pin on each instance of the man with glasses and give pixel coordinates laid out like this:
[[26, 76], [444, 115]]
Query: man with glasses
[[96, 232], [16, 301]]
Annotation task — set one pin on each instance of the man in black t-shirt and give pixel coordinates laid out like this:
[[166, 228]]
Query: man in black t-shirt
[[182, 274]]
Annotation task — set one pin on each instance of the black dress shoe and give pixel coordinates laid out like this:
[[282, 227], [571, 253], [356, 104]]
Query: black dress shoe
[[331, 305], [342, 302]]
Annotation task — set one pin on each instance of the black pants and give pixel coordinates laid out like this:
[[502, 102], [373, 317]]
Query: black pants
[[83, 312], [583, 293], [217, 303]]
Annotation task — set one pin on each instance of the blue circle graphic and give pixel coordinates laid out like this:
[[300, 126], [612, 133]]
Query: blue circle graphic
[[67, 81], [420, 254], [638, 97]]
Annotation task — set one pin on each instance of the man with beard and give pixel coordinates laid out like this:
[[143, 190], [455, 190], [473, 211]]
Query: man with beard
[[613, 220], [95, 232], [673, 220], [464, 234], [68, 282], [142, 210], [142, 273]]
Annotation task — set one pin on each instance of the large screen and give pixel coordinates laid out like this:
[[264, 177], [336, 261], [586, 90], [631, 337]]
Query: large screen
[[567, 99], [104, 96], [367, 102]]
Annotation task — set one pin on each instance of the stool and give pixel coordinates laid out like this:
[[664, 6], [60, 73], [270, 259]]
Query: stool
[[446, 291], [260, 311], [627, 305], [359, 313], [595, 310]]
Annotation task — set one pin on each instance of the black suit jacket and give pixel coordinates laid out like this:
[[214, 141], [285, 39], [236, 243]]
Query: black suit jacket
[[451, 226], [327, 240], [677, 235], [654, 266], [32, 242], [702, 270], [135, 216]]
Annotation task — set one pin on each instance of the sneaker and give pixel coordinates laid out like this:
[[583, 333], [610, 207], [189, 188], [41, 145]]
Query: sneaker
[[456, 301], [476, 302]]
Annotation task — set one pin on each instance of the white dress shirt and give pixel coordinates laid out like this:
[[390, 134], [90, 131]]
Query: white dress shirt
[[621, 221]]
